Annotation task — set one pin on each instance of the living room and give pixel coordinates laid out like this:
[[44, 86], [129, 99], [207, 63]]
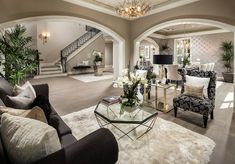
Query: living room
[[87, 130]]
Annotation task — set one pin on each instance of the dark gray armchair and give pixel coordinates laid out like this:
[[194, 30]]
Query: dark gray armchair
[[205, 106]]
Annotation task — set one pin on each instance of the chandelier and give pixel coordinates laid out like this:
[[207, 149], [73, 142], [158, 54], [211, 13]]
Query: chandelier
[[133, 8]]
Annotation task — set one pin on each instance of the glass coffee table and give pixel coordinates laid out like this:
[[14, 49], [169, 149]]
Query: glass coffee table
[[132, 125]]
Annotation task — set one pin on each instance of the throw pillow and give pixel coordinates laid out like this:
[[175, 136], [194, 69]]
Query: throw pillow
[[18, 102], [199, 81], [194, 91], [22, 100], [30, 90], [27, 140], [34, 113]]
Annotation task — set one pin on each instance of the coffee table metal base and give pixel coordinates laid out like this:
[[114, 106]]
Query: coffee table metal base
[[147, 124]]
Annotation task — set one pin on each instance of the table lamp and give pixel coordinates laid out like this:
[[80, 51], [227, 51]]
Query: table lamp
[[162, 60]]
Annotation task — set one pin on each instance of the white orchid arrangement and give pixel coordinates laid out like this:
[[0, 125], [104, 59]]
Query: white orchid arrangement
[[129, 78], [129, 81]]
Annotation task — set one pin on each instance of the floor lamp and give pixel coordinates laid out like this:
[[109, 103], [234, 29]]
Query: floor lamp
[[162, 60]]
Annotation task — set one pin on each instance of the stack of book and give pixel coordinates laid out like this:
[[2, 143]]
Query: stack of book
[[111, 100]]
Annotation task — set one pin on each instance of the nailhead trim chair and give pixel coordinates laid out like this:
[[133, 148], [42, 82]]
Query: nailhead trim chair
[[205, 106]]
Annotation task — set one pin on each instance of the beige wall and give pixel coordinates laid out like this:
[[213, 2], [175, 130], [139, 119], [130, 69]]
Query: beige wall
[[62, 34], [109, 53], [207, 49], [86, 54]]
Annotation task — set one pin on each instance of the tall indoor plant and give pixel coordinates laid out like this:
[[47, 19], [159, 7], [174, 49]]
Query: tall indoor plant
[[227, 57], [19, 57]]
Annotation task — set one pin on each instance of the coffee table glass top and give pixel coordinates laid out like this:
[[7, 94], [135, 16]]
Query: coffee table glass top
[[111, 113]]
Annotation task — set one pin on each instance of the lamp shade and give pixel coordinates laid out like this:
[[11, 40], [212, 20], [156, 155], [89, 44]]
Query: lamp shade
[[162, 59]]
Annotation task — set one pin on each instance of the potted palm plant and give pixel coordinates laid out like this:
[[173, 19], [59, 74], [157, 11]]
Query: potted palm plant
[[227, 57], [19, 57]]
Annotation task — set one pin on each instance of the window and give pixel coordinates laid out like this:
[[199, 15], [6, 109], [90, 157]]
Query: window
[[182, 49]]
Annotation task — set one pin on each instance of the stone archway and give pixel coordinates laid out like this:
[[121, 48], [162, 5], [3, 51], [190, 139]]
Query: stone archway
[[119, 48]]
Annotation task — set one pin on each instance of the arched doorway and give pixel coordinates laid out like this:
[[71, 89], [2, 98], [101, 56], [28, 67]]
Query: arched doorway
[[119, 42], [178, 22]]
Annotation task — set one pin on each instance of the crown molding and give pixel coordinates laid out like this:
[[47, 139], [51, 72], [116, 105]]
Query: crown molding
[[157, 9], [159, 36]]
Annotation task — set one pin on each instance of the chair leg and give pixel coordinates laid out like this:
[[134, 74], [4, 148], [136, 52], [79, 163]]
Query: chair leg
[[175, 111], [205, 121], [212, 115], [148, 95]]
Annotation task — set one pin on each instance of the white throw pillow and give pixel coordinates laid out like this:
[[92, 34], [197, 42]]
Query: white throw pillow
[[141, 73], [20, 102], [30, 90], [27, 140], [199, 81]]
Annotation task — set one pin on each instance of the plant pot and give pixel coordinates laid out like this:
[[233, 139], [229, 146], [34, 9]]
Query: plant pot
[[98, 63], [228, 77]]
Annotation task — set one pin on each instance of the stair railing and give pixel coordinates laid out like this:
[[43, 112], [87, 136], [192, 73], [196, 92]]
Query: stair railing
[[64, 53]]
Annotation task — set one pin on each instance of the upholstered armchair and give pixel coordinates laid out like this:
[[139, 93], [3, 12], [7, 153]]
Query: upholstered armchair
[[204, 106]]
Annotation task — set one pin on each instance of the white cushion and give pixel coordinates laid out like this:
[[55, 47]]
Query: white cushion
[[30, 90], [20, 102], [199, 81], [27, 140], [141, 73]]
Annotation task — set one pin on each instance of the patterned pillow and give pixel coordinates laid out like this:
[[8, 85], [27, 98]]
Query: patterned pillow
[[193, 91], [27, 140]]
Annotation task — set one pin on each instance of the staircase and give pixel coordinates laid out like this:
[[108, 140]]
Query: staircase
[[69, 51], [59, 67], [50, 70]]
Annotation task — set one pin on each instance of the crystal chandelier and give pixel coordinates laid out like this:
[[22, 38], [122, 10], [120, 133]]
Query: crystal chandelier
[[133, 8]]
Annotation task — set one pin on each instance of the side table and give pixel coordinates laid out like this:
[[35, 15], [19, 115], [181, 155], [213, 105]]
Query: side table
[[163, 106]]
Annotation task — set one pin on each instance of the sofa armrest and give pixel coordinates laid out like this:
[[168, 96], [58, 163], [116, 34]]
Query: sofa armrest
[[42, 89], [97, 147]]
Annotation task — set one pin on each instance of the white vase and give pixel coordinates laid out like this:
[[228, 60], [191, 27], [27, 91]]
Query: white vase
[[139, 95]]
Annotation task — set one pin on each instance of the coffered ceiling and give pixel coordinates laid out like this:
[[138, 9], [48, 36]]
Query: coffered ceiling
[[109, 6]]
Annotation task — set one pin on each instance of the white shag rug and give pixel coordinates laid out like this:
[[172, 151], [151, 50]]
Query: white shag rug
[[86, 78], [166, 143]]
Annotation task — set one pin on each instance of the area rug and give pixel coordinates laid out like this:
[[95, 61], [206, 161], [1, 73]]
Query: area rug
[[86, 78], [166, 143]]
